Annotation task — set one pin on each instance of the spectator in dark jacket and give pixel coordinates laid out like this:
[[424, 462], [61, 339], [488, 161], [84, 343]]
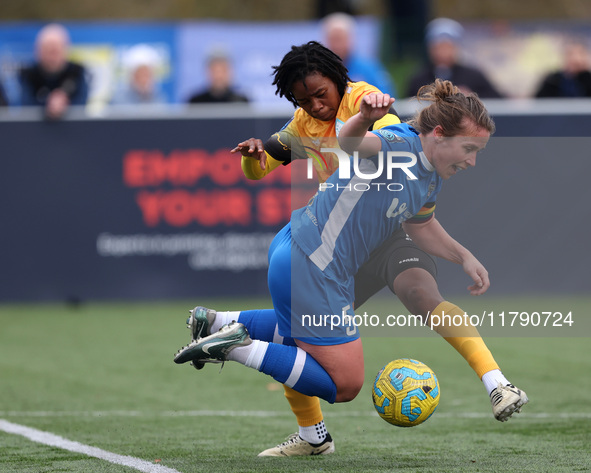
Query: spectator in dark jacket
[[219, 89], [52, 81], [3, 99], [443, 40], [574, 79]]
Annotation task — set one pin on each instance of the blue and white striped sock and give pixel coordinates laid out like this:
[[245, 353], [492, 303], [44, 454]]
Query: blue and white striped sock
[[261, 324], [289, 365]]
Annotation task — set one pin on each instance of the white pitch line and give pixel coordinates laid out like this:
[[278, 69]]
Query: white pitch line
[[286, 413], [47, 438]]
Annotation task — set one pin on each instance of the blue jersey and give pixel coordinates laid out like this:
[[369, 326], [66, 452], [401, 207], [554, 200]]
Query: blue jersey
[[351, 217]]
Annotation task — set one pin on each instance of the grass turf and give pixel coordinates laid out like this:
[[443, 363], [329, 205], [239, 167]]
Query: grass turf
[[102, 374]]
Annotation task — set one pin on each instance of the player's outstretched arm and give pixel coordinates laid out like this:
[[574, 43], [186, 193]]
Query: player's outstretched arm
[[354, 135], [432, 238], [252, 148], [256, 161]]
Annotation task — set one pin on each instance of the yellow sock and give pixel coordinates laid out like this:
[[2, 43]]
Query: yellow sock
[[465, 338], [306, 408]]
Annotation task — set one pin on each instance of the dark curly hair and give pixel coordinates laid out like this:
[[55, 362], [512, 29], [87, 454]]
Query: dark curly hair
[[304, 60]]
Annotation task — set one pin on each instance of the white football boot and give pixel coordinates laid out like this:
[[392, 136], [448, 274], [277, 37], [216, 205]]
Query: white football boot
[[507, 400], [295, 446]]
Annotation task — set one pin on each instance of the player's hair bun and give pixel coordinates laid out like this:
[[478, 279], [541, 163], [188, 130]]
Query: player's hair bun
[[438, 91], [448, 109]]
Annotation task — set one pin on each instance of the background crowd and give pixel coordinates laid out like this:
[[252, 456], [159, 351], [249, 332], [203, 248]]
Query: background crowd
[[55, 78]]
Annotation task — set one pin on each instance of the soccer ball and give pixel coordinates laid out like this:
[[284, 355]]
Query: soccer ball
[[405, 392]]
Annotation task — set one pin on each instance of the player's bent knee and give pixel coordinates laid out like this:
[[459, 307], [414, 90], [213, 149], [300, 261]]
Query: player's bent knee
[[343, 363], [418, 291], [418, 296], [348, 391], [348, 385]]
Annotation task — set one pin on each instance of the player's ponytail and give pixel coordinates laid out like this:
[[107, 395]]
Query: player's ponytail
[[449, 108]]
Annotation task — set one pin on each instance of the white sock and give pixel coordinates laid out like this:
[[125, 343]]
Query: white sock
[[492, 379], [251, 355], [223, 318], [315, 433]]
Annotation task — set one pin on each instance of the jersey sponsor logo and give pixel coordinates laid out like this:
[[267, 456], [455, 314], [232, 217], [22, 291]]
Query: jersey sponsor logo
[[390, 136], [395, 209], [338, 125], [311, 216], [431, 189]]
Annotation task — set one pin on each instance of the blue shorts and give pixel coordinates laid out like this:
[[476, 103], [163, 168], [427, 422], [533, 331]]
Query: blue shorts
[[309, 306]]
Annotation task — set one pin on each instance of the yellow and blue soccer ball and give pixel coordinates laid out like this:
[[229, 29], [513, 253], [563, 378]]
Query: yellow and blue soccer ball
[[406, 392]]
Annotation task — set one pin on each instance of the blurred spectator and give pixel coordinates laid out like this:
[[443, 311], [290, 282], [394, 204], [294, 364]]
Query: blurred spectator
[[140, 65], [219, 74], [52, 81], [326, 7], [574, 80], [3, 99], [405, 24], [339, 37], [443, 39]]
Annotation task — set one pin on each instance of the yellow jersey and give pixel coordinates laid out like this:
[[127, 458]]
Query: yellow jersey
[[314, 134]]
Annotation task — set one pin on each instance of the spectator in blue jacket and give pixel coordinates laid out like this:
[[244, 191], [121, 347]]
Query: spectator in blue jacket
[[339, 37], [52, 81]]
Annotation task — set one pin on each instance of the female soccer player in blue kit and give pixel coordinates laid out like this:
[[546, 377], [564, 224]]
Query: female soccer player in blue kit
[[327, 241]]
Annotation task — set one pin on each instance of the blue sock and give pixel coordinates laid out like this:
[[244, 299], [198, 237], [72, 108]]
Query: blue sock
[[293, 367], [262, 325]]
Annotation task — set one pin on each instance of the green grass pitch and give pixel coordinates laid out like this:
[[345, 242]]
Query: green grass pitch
[[102, 374]]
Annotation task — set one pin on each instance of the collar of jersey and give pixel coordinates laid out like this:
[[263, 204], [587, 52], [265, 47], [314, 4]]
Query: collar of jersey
[[425, 162]]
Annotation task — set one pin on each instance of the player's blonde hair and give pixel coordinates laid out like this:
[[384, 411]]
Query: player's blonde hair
[[449, 109]]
